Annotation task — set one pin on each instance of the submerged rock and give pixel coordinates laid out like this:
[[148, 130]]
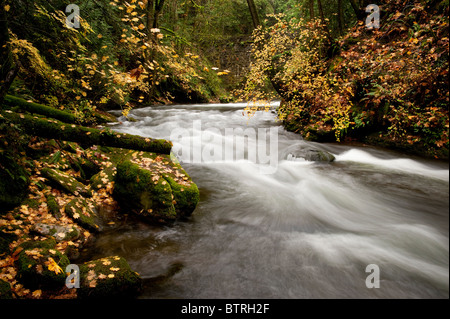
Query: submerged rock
[[108, 277], [312, 155]]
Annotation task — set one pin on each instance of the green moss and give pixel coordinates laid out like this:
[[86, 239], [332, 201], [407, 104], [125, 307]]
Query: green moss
[[40, 109], [49, 128], [108, 277], [144, 193], [104, 177], [34, 267], [84, 214], [66, 182], [48, 243], [186, 196], [53, 206]]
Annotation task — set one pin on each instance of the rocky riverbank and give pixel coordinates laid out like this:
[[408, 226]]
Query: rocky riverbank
[[57, 195]]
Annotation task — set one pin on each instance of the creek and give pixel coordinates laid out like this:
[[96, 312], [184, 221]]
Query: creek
[[288, 228]]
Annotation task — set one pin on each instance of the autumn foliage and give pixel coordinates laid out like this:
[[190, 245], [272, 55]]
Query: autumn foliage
[[388, 86]]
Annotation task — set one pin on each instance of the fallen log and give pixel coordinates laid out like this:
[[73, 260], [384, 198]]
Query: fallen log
[[64, 116], [54, 129], [37, 108]]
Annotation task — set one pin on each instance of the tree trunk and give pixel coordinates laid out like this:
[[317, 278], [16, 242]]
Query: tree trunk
[[324, 22], [360, 13], [159, 4], [8, 69], [254, 13], [311, 9], [340, 17], [150, 17]]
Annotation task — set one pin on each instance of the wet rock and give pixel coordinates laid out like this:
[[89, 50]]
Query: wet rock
[[312, 155], [108, 277], [59, 232]]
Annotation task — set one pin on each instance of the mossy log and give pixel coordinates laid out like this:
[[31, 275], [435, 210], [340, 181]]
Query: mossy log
[[36, 108], [50, 128], [48, 111]]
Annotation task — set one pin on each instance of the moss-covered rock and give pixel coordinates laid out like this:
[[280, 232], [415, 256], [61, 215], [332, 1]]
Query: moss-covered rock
[[84, 214], [5, 290], [66, 182], [154, 187], [144, 192], [185, 193], [103, 178], [108, 277], [40, 265]]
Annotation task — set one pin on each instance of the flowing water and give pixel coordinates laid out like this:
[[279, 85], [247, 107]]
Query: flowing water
[[304, 230]]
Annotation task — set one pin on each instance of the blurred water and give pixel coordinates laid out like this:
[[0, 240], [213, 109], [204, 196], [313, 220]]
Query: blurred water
[[307, 230]]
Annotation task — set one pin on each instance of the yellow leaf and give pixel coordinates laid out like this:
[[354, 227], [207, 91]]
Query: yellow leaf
[[37, 293], [7, 7], [53, 266]]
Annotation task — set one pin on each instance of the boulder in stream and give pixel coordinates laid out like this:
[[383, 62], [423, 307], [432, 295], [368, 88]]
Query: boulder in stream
[[311, 155], [108, 277], [155, 188]]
